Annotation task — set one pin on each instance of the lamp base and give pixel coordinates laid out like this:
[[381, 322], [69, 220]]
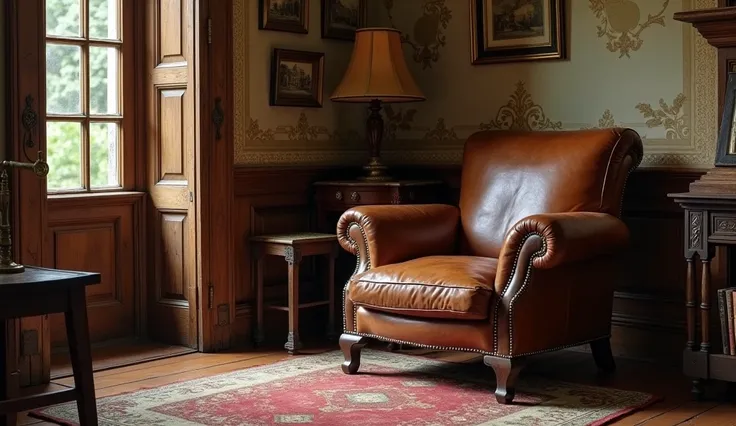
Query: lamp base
[[375, 171]]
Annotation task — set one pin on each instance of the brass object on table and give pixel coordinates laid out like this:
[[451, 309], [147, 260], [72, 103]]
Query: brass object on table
[[41, 169]]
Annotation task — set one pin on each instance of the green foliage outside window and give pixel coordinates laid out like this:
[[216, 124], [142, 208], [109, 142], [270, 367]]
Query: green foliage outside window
[[63, 89]]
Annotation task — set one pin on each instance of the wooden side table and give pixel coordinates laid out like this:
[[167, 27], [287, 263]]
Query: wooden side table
[[41, 291], [337, 196], [292, 247]]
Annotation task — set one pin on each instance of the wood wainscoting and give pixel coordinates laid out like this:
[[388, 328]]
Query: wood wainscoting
[[100, 234], [648, 319]]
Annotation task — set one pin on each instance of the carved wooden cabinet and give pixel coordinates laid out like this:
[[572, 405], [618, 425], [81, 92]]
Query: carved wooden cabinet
[[710, 209], [710, 221]]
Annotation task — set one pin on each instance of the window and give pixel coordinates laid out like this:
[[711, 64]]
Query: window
[[84, 90]]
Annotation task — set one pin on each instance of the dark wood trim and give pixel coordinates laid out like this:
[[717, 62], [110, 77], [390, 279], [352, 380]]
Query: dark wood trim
[[215, 174], [26, 56]]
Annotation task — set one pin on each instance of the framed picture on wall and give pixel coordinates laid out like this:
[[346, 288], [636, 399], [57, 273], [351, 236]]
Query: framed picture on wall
[[511, 30], [296, 78], [340, 18], [726, 145], [284, 15]]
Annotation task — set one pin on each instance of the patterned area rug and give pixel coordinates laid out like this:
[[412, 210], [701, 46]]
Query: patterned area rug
[[393, 389]]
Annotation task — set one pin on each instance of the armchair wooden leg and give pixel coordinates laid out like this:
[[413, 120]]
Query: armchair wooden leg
[[507, 371], [351, 346], [602, 355]]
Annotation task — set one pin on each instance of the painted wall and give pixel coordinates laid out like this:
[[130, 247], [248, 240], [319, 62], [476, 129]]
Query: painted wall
[[660, 80], [289, 135]]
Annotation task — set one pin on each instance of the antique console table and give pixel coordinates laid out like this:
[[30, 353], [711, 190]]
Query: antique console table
[[710, 221], [710, 207]]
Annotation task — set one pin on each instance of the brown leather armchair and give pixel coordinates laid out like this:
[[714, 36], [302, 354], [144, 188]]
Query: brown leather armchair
[[525, 264]]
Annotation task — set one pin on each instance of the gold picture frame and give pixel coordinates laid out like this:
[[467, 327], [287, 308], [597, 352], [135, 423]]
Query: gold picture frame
[[291, 16], [342, 26], [516, 30], [297, 78]]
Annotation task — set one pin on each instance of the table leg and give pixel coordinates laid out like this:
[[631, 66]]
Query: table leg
[[259, 334], [331, 332], [690, 304], [705, 306], [77, 330], [7, 388], [293, 258]]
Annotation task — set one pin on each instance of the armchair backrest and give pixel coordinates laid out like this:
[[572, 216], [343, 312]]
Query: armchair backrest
[[509, 175]]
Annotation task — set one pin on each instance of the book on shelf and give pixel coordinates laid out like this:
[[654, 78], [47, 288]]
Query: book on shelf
[[727, 315]]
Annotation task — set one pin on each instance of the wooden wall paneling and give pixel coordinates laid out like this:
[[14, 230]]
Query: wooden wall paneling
[[25, 57], [100, 234]]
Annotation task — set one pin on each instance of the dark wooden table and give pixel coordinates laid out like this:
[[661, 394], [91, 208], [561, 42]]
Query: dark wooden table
[[41, 291], [710, 221], [334, 197], [292, 247]]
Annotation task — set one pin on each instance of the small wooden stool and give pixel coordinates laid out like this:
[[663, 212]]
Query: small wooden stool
[[292, 247]]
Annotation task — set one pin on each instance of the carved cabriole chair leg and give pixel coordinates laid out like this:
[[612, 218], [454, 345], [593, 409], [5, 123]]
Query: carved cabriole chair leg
[[351, 346], [507, 371], [602, 355]]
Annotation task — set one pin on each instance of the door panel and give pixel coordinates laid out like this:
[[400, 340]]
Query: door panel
[[171, 167]]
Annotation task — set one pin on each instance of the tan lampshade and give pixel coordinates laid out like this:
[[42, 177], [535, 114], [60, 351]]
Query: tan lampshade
[[377, 70]]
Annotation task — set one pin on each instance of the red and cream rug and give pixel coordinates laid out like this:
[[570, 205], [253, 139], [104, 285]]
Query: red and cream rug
[[393, 389]]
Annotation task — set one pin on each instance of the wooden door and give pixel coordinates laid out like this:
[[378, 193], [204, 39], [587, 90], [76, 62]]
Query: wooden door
[[171, 142]]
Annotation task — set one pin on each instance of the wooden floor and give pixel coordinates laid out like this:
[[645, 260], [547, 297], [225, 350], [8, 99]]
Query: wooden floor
[[677, 408]]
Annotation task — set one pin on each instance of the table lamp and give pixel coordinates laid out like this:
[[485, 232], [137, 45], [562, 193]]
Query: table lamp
[[377, 73]]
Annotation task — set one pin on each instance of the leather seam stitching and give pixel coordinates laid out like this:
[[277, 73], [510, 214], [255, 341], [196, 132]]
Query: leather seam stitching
[[424, 285], [527, 278], [481, 351], [378, 307], [357, 266]]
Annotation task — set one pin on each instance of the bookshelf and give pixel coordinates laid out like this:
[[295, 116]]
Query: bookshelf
[[710, 215]]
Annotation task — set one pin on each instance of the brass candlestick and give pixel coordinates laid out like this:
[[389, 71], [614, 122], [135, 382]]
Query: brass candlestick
[[41, 169]]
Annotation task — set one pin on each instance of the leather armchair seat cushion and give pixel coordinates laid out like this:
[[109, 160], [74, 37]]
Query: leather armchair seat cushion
[[449, 287]]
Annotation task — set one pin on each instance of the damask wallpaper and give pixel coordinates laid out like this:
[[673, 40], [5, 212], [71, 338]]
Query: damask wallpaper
[[629, 64], [289, 135]]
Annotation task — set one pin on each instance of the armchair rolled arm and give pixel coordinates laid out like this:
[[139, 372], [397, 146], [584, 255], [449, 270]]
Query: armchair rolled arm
[[385, 234], [549, 240]]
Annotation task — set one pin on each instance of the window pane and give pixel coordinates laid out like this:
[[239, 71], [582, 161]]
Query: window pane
[[63, 81], [103, 153], [103, 19], [103, 80], [62, 17], [64, 144]]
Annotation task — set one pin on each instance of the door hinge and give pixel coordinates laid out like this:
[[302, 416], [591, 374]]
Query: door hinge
[[210, 296], [191, 197], [209, 30]]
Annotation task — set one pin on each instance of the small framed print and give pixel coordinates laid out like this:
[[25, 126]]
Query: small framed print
[[726, 145], [511, 31], [284, 15], [340, 18], [296, 78]]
